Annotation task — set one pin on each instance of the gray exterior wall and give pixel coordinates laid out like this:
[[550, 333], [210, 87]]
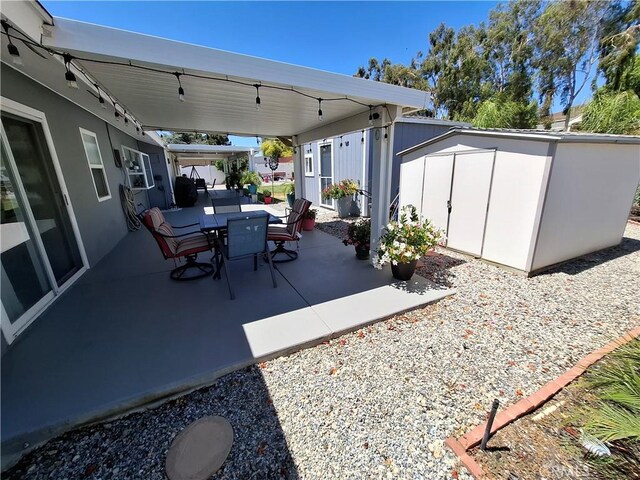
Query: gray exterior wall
[[348, 162], [102, 224]]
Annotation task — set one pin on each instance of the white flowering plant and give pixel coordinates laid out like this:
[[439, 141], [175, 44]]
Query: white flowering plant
[[407, 239]]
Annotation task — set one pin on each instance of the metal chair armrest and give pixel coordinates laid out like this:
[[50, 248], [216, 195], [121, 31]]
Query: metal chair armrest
[[185, 226]]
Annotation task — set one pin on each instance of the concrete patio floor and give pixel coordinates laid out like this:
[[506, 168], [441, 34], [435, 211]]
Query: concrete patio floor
[[126, 335]]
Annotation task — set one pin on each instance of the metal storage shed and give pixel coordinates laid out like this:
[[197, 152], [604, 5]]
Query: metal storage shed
[[520, 198]]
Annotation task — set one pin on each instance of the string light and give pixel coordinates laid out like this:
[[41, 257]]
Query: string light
[[72, 81], [340, 141], [117, 115], [13, 50], [370, 115], [180, 89], [257, 96], [386, 136], [69, 76], [362, 137]]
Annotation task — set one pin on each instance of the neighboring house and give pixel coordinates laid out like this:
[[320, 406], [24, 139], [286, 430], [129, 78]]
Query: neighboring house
[[558, 118], [524, 199], [349, 156]]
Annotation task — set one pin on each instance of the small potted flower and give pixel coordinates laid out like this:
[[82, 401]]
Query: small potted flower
[[405, 241], [309, 220], [359, 235], [267, 197], [343, 193]]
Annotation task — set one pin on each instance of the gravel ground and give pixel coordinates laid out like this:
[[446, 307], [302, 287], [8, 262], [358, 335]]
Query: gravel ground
[[379, 402]]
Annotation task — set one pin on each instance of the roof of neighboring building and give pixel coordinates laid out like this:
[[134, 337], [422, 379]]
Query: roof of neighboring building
[[432, 121], [537, 135]]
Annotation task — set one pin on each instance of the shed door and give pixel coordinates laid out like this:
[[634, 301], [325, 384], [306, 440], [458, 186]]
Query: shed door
[[411, 186], [470, 200], [437, 189]]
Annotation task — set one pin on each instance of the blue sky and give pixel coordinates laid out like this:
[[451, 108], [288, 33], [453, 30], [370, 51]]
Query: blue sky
[[333, 36]]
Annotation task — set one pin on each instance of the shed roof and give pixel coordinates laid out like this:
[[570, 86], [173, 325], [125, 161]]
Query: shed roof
[[535, 135]]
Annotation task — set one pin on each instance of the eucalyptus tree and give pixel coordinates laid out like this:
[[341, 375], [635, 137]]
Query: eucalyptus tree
[[618, 44], [566, 38]]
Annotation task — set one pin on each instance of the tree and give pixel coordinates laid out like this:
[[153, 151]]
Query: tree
[[274, 148], [456, 71], [566, 37], [509, 48], [618, 44], [499, 112], [374, 71], [197, 138]]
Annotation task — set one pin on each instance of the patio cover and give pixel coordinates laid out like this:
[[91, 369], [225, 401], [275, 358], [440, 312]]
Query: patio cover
[[138, 73]]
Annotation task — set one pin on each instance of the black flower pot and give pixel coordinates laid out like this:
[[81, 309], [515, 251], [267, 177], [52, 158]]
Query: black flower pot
[[362, 253], [404, 271]]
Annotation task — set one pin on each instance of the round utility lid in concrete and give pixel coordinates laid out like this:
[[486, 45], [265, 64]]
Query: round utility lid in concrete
[[200, 449]]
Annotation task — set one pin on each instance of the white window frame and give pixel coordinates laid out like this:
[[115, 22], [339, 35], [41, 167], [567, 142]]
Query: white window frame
[[145, 161], [96, 167], [308, 172]]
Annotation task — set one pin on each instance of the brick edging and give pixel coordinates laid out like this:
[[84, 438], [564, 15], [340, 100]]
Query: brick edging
[[532, 402]]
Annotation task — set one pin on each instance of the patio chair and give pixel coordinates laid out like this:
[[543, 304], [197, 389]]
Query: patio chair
[[246, 237], [226, 204], [288, 232], [186, 245]]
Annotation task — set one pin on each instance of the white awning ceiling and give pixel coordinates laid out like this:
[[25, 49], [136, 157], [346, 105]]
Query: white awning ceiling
[[221, 105]]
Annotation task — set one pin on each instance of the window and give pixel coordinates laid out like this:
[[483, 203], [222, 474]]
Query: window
[[308, 165], [138, 168], [92, 151]]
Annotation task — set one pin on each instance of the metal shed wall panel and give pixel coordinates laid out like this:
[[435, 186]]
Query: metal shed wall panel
[[591, 187]]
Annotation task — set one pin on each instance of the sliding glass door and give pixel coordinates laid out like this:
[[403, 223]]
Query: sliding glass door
[[39, 247]]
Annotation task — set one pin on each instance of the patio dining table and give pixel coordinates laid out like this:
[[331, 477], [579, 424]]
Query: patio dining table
[[217, 223]]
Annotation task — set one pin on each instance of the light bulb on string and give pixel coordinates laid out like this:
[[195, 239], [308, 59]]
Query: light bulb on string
[[69, 76], [257, 97]]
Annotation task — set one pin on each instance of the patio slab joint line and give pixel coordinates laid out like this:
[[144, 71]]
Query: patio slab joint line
[[527, 405]]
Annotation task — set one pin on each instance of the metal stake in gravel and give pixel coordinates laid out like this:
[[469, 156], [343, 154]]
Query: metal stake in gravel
[[487, 431]]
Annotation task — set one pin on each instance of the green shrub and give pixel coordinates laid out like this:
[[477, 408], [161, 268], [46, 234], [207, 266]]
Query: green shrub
[[613, 113], [251, 178]]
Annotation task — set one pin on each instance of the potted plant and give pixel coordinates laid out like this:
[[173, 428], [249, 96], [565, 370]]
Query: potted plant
[[405, 241], [253, 180], [343, 193], [359, 235], [309, 220], [267, 197], [290, 190]]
